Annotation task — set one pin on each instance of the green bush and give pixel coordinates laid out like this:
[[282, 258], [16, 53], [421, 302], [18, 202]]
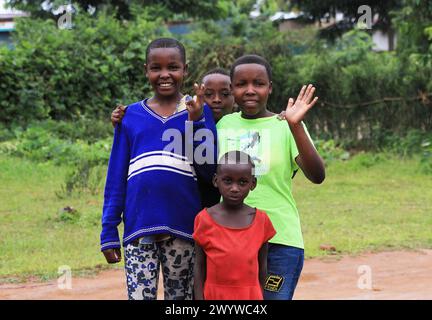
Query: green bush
[[82, 177], [352, 82], [415, 142], [362, 95], [330, 152], [81, 74], [412, 143], [64, 74], [55, 142], [85, 129], [42, 144], [68, 215]]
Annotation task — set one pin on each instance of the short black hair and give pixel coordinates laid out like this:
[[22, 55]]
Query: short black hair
[[252, 58], [235, 157], [218, 70], [167, 43]]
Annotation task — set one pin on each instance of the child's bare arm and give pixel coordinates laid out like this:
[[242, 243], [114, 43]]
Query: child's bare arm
[[308, 159], [118, 114], [262, 261], [199, 272]]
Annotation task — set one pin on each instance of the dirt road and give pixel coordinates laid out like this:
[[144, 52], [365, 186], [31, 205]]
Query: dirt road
[[385, 275]]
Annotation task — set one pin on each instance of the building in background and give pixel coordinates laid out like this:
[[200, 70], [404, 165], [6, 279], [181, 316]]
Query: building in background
[[7, 22], [383, 36]]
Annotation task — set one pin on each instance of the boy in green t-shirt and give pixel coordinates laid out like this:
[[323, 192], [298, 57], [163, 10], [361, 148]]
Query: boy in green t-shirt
[[278, 148]]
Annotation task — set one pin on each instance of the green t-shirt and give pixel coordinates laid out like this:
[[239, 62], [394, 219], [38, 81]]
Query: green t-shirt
[[272, 147]]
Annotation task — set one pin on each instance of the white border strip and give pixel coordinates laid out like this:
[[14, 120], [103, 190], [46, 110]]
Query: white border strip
[[161, 228], [163, 169], [110, 244]]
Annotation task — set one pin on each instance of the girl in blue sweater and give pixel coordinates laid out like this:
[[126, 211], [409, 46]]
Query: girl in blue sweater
[[162, 144]]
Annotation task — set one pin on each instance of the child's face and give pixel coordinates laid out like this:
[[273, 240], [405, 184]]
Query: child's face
[[251, 87], [234, 182], [165, 70], [217, 95]]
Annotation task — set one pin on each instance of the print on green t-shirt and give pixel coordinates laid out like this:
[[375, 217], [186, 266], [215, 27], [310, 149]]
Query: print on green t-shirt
[[272, 147], [254, 143]]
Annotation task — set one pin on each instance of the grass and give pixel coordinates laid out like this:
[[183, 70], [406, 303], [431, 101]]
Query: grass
[[34, 241], [369, 203]]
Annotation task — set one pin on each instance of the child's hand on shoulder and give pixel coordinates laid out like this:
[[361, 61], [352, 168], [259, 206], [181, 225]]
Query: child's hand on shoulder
[[112, 255], [118, 114], [195, 105], [296, 111]]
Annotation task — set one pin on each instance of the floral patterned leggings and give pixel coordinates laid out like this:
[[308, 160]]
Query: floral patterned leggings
[[142, 265]]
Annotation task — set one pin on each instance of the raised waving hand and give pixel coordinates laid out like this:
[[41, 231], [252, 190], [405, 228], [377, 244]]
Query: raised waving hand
[[296, 111]]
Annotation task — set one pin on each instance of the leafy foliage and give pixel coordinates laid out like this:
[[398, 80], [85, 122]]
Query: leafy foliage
[[51, 142], [125, 9], [80, 74], [41, 144], [321, 9], [65, 74]]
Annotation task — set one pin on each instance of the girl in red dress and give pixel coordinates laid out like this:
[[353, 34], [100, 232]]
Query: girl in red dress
[[231, 237]]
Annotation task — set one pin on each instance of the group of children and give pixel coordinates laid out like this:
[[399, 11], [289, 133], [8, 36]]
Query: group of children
[[238, 208]]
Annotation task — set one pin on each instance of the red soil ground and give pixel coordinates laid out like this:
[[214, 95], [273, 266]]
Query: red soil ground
[[393, 275]]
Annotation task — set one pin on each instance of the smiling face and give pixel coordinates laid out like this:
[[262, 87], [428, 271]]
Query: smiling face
[[234, 182], [251, 88], [165, 70], [217, 94]]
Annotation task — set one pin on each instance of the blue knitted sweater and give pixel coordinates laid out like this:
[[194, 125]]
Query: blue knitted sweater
[[151, 183]]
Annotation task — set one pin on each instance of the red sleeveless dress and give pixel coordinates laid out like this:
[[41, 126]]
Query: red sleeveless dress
[[232, 256]]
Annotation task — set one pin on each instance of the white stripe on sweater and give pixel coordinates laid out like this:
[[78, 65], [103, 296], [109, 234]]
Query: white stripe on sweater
[[162, 169], [159, 152], [161, 160]]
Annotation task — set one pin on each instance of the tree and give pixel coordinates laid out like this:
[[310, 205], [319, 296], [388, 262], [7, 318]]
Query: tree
[[413, 23], [44, 8], [328, 8], [204, 9], [320, 9]]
